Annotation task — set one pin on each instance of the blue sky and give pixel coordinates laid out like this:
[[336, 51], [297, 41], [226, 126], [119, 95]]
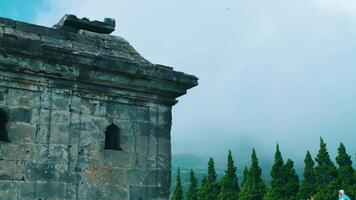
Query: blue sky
[[270, 71], [23, 10]]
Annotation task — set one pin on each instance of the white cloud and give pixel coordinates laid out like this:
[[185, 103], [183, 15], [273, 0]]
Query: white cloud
[[346, 6]]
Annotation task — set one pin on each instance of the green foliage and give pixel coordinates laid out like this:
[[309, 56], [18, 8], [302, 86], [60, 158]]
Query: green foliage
[[193, 187], [346, 178], [229, 182], [178, 191], [308, 185], [254, 187], [326, 174], [210, 189], [203, 188], [291, 186], [285, 182], [321, 181], [275, 192], [245, 175]]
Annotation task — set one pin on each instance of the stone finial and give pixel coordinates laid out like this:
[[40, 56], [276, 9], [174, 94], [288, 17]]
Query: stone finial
[[72, 21]]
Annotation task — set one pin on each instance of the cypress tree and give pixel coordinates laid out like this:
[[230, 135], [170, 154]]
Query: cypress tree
[[275, 192], [178, 191], [345, 170], [203, 188], [212, 187], [254, 187], [244, 176], [291, 186], [308, 186], [326, 174], [229, 182], [193, 187]]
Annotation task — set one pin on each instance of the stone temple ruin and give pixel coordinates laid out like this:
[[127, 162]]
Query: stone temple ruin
[[82, 114]]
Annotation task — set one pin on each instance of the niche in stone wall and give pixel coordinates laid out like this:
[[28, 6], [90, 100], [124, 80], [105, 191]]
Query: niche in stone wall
[[112, 137], [3, 129]]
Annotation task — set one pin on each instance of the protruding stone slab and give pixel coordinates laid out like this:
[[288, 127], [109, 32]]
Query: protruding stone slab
[[105, 27]]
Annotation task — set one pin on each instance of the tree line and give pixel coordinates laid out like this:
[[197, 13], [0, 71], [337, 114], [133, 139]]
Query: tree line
[[321, 179]]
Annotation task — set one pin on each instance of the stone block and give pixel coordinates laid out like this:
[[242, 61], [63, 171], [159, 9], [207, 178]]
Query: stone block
[[9, 190], [60, 117], [164, 131], [60, 102], [164, 146], [95, 123], [142, 114], [142, 128], [142, 144], [128, 143], [19, 114], [75, 104], [159, 178], [143, 193], [115, 158], [93, 107], [136, 177], [44, 116], [153, 112], [106, 176], [58, 154], [19, 133], [164, 115], [120, 110], [13, 152], [46, 98], [94, 192], [38, 153], [3, 95], [153, 144], [59, 134], [11, 170], [48, 191], [139, 161], [40, 172], [126, 127], [24, 98], [42, 134], [163, 161]]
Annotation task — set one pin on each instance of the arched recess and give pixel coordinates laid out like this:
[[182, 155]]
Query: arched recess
[[3, 126], [112, 137]]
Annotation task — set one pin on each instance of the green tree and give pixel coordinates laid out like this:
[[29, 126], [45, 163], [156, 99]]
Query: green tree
[[210, 189], [203, 188], [346, 177], [326, 175], [178, 191], [276, 190], [291, 186], [244, 176], [254, 187], [229, 182], [193, 187], [308, 185]]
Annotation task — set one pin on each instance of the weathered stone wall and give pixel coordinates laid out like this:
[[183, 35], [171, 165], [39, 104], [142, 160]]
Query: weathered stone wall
[[58, 113]]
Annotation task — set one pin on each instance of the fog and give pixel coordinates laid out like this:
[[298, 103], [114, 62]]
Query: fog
[[270, 71]]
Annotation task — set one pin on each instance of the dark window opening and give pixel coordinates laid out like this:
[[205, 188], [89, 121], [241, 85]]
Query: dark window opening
[[112, 137], [3, 129]]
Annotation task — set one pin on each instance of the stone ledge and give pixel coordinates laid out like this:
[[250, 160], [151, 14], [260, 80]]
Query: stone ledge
[[106, 27]]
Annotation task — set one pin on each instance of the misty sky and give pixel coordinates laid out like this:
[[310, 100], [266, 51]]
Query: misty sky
[[269, 71]]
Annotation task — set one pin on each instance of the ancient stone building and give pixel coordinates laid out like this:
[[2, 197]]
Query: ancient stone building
[[82, 114]]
